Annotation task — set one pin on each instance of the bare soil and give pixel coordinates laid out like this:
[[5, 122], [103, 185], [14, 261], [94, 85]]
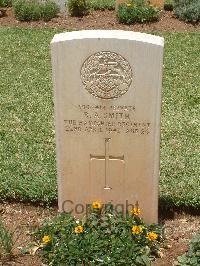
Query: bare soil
[[23, 219], [102, 20]]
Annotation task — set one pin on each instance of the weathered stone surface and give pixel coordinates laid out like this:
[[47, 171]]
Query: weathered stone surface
[[107, 87]]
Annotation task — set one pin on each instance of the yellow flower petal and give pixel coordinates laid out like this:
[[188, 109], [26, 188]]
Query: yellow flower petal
[[79, 229], [152, 236], [96, 205], [137, 229], [135, 211], [46, 239]]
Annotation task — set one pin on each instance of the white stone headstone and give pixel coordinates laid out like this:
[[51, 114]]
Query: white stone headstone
[[107, 88]]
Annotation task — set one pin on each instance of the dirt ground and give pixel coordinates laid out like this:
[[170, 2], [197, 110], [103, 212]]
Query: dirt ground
[[23, 219], [103, 20]]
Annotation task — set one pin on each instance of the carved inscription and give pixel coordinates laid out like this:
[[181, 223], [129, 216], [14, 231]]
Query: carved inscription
[[107, 119], [106, 75]]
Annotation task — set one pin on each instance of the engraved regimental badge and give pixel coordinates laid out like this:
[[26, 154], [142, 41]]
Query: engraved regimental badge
[[106, 75]]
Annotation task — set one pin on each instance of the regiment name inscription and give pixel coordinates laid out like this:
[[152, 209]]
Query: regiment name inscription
[[107, 119]]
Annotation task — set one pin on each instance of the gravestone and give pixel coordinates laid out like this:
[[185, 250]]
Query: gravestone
[[107, 92]]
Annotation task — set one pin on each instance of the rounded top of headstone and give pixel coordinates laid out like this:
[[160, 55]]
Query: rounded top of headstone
[[109, 34]]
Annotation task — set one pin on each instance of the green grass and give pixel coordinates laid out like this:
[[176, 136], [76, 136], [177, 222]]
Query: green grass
[[27, 130], [180, 181], [28, 170], [101, 4]]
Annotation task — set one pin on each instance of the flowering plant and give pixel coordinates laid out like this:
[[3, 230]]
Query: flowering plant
[[137, 11], [103, 237]]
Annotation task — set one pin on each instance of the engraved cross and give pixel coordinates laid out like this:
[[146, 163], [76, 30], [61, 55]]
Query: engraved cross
[[107, 158]]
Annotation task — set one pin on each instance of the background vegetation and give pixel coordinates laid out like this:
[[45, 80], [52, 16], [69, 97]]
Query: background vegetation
[[137, 11], [28, 10], [5, 3], [169, 5], [77, 8], [27, 135], [187, 10], [192, 257]]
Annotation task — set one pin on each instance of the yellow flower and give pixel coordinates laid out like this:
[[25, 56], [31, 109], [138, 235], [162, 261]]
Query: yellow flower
[[79, 229], [46, 239], [129, 5], [152, 236], [135, 211], [137, 229], [96, 205]]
